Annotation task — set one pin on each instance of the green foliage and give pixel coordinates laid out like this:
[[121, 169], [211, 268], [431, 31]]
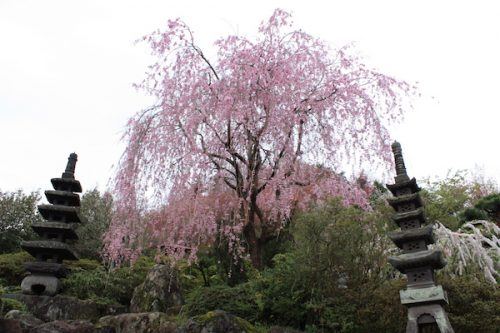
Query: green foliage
[[446, 199], [97, 210], [290, 300], [12, 270], [17, 212], [339, 245], [239, 300], [474, 304], [284, 294], [90, 280], [11, 304], [487, 208]]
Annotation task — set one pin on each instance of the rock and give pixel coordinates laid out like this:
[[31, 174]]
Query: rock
[[279, 329], [62, 307], [160, 291], [65, 326], [152, 322], [26, 320], [10, 326], [217, 322]]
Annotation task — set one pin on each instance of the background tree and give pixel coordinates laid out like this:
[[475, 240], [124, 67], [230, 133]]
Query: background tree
[[445, 199], [97, 209], [18, 211], [487, 208], [230, 146]]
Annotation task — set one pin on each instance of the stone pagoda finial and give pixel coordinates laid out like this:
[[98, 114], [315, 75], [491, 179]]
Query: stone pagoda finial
[[401, 174], [69, 173]]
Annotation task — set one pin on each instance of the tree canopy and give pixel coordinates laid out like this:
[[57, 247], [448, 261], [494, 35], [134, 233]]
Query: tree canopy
[[235, 145]]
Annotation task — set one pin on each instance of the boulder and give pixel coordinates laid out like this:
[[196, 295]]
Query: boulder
[[26, 320], [279, 329], [10, 326], [151, 322], [161, 290], [62, 307], [65, 326], [217, 322]]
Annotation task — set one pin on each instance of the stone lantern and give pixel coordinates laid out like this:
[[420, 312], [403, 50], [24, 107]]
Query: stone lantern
[[61, 218], [423, 297]]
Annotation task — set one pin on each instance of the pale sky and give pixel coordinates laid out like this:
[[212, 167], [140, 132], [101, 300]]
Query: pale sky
[[67, 69]]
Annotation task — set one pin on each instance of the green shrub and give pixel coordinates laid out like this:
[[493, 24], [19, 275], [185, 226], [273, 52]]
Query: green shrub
[[239, 301], [11, 304], [291, 299], [474, 304], [90, 280], [12, 271]]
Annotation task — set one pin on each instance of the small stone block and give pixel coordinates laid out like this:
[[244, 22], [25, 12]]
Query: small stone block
[[41, 285], [423, 295]]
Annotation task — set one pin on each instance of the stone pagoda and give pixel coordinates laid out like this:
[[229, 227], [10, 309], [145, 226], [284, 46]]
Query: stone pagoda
[[61, 218], [423, 297]]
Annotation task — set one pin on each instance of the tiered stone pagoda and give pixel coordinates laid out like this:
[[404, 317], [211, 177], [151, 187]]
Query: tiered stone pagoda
[[61, 218], [423, 297]]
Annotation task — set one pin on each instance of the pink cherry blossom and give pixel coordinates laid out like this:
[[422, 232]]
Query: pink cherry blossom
[[230, 147]]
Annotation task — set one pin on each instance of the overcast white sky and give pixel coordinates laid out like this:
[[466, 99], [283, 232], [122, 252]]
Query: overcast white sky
[[67, 68]]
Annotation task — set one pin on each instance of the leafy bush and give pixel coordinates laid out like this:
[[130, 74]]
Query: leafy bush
[[445, 199], [17, 212], [90, 280], [487, 208], [474, 304], [238, 300], [12, 270], [8, 304]]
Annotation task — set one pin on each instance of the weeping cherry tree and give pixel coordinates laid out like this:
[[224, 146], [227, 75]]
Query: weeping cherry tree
[[234, 145]]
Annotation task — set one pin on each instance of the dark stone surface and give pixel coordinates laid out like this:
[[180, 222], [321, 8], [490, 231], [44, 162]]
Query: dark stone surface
[[69, 172], [52, 247], [55, 269], [62, 307], [416, 214], [63, 198], [216, 322], [65, 326], [26, 320], [406, 261], [413, 198], [411, 235], [411, 185], [150, 322], [70, 185], [68, 213], [160, 291], [10, 326], [279, 329], [59, 228]]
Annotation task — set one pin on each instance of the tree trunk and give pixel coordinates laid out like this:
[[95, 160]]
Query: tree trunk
[[254, 247]]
